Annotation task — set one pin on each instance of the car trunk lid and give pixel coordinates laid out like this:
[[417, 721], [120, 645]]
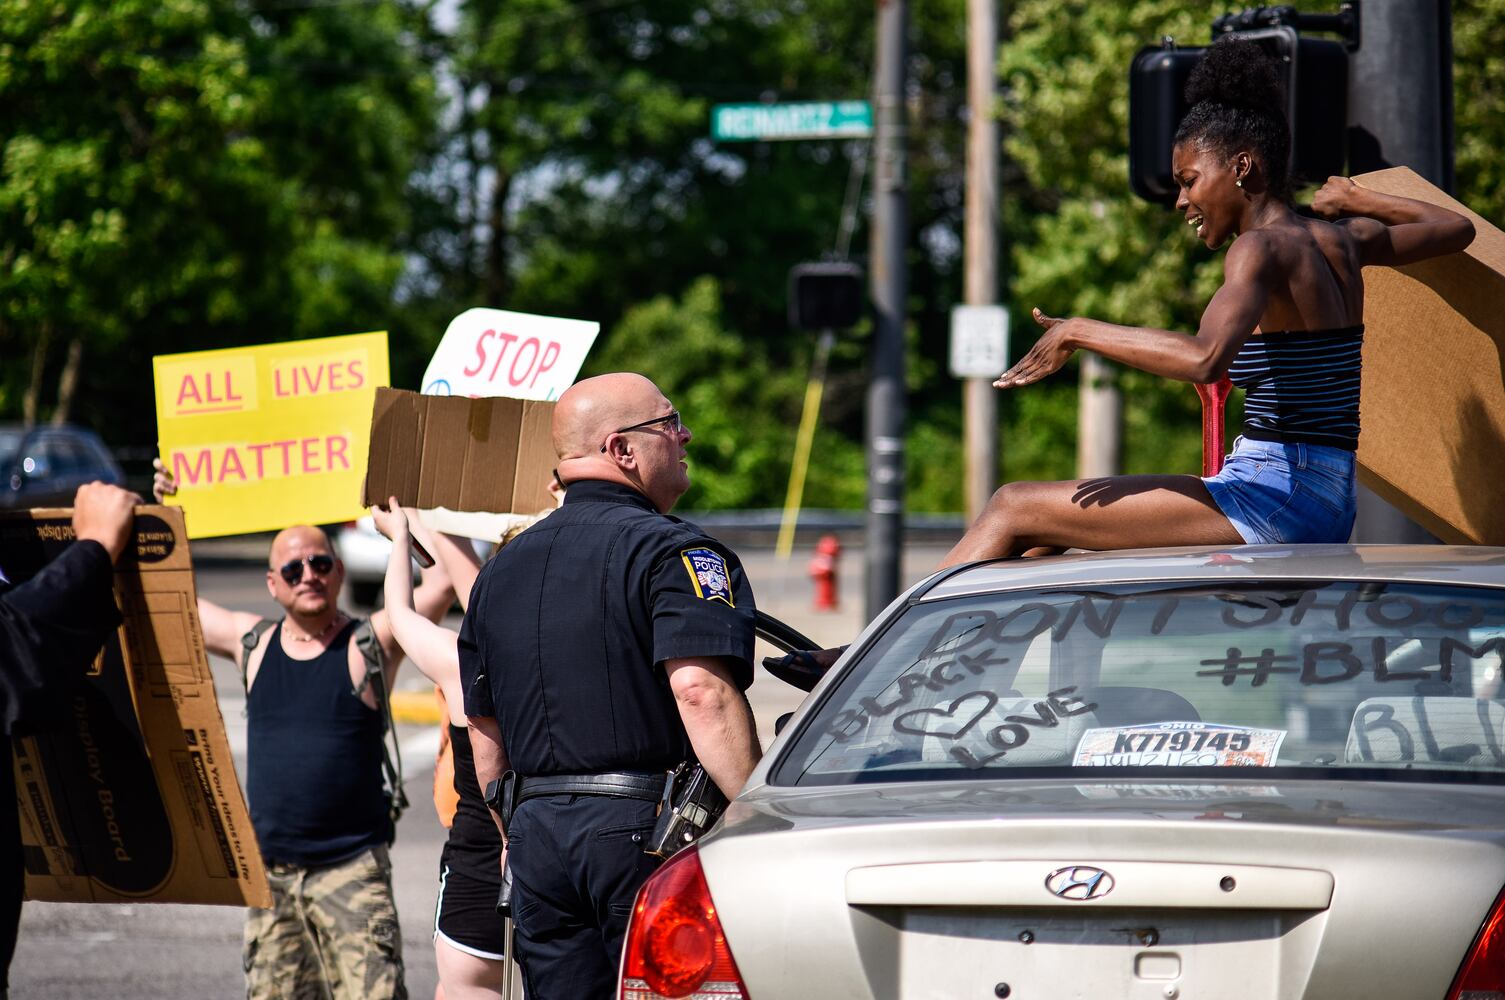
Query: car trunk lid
[[1238, 890]]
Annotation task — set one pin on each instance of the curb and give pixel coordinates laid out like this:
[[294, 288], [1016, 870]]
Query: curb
[[417, 707]]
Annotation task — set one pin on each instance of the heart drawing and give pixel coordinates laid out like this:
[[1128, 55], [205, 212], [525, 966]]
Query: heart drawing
[[951, 723]]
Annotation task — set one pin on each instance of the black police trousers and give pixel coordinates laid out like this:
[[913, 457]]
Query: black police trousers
[[577, 863]]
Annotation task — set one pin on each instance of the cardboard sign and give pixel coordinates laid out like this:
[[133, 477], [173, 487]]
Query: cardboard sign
[[490, 454], [1433, 411], [491, 352], [260, 438], [134, 798]]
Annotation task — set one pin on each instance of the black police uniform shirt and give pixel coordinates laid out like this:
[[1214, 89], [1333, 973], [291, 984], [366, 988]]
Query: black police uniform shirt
[[569, 625]]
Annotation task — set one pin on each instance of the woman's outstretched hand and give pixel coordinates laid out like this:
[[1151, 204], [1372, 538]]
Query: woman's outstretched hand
[[1045, 358]]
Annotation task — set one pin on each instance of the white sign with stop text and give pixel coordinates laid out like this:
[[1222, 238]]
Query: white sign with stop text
[[492, 352]]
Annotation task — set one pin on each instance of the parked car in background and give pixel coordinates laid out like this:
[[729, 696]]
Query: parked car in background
[[364, 551], [1273, 771], [44, 465]]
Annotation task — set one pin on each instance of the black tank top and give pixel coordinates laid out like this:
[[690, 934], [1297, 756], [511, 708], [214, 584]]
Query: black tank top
[[475, 846], [313, 758]]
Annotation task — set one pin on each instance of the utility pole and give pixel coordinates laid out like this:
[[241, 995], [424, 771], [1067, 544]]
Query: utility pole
[[885, 395], [1400, 112], [980, 243], [1099, 440]]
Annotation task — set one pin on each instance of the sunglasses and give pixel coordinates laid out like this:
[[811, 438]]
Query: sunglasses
[[292, 571], [670, 420]]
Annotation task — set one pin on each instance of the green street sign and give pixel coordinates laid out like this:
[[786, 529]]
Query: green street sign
[[808, 120]]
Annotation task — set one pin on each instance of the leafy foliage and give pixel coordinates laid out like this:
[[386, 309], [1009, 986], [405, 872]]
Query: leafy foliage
[[185, 174], [191, 174], [1479, 105], [1081, 244]]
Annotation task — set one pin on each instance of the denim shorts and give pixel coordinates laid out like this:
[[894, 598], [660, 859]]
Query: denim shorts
[[1284, 493]]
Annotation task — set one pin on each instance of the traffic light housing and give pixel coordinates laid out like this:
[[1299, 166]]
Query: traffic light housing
[[1313, 73], [826, 296]]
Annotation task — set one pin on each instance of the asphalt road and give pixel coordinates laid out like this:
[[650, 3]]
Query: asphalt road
[[167, 952]]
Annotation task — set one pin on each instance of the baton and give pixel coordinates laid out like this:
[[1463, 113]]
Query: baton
[[504, 907]]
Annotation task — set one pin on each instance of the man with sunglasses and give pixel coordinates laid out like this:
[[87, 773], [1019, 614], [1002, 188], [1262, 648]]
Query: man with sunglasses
[[314, 775], [605, 645]]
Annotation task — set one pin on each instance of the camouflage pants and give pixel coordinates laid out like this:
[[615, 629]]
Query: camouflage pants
[[331, 934]]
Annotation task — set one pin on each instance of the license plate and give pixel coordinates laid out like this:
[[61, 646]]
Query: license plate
[[1133, 954]]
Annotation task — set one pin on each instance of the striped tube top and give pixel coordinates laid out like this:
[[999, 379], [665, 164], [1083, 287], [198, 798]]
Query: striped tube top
[[1301, 386]]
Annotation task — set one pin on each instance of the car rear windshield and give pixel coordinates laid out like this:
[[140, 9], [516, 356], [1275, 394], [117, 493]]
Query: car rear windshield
[[1403, 680]]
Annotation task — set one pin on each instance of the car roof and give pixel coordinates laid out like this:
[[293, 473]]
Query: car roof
[[1462, 565], [18, 427]]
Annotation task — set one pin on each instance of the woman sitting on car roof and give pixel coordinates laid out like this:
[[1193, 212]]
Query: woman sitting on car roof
[[1286, 326]]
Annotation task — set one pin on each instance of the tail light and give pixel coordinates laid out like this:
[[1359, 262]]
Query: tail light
[[675, 945], [1482, 975]]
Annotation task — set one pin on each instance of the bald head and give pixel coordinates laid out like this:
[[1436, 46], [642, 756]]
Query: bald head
[[620, 428], [590, 410], [295, 541]]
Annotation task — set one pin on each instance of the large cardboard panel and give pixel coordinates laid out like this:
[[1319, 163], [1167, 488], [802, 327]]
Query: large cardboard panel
[[1433, 411], [530, 493], [134, 798], [489, 454], [491, 419]]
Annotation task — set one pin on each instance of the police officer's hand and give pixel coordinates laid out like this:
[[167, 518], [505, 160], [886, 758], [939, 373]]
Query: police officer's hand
[[103, 513], [163, 485], [391, 521]]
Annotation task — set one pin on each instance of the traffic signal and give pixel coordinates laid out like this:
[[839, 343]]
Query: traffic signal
[[1313, 72], [825, 296]]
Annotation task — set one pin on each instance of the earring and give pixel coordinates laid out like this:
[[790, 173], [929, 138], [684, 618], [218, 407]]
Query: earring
[[1239, 183]]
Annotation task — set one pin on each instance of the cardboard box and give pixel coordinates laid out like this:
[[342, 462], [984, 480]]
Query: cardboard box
[[134, 798], [486, 454], [1433, 404]]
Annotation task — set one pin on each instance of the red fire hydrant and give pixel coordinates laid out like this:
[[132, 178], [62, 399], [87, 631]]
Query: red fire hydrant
[[823, 572]]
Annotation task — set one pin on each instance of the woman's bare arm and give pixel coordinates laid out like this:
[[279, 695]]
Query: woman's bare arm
[[1229, 320], [458, 558], [1390, 229], [431, 647]]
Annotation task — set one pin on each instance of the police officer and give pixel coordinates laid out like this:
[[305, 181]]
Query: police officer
[[604, 645]]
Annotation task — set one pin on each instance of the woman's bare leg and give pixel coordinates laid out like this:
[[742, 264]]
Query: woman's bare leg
[[467, 977], [1118, 512]]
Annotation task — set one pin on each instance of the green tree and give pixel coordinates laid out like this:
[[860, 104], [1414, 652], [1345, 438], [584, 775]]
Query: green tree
[[1081, 243], [190, 175], [589, 183], [738, 405], [1479, 105], [126, 132]]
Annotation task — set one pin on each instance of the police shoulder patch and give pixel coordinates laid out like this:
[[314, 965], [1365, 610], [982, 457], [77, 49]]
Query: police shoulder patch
[[709, 575]]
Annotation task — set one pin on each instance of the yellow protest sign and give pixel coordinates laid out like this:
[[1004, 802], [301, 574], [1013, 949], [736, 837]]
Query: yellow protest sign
[[259, 438]]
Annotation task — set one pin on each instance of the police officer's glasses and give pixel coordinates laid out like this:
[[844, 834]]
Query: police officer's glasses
[[670, 420], [292, 570]]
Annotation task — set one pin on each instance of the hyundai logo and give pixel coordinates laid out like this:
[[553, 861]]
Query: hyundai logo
[[1079, 882]]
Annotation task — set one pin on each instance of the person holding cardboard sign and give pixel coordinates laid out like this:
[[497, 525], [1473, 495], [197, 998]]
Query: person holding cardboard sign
[[50, 626], [316, 718], [469, 950], [1286, 326]]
